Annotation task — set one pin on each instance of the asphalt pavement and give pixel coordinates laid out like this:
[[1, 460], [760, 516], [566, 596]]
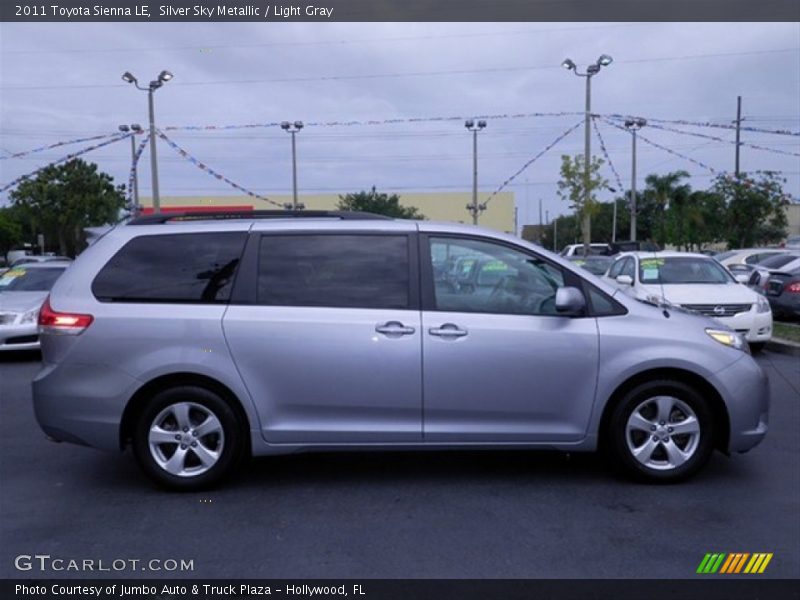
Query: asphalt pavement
[[397, 515]]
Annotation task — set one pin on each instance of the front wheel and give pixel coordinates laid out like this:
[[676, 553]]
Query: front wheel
[[187, 438], [661, 431]]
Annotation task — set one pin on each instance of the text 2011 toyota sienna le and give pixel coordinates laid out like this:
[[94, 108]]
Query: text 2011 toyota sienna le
[[199, 341]]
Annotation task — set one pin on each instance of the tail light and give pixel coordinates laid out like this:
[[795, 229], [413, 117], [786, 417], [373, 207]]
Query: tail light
[[51, 321], [793, 288]]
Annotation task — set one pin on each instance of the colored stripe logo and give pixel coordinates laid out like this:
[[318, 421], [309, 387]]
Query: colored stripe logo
[[735, 562]]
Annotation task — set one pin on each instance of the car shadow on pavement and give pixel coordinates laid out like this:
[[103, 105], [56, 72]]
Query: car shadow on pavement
[[17, 356]]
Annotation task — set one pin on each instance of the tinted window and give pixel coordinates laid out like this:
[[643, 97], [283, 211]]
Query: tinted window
[[346, 271], [776, 262], [502, 280], [29, 280], [184, 267]]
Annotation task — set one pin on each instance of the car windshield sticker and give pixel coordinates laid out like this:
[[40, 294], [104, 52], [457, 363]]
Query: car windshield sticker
[[10, 276]]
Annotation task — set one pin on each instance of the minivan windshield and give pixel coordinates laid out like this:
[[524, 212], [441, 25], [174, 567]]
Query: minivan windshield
[[682, 269]]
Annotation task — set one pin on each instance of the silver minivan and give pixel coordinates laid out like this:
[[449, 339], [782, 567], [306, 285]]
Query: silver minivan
[[199, 340]]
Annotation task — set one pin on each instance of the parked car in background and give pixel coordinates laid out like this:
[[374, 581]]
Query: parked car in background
[[793, 242], [22, 292], [594, 249], [597, 265], [775, 264], [747, 256], [198, 341], [38, 258], [698, 283], [783, 294]]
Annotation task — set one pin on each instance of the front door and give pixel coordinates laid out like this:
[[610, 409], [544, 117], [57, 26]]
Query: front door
[[500, 365]]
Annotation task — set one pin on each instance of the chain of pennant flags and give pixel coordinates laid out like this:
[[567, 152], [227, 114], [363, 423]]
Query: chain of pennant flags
[[719, 139], [68, 157], [531, 161], [664, 148], [203, 167], [619, 117], [614, 120], [607, 156]]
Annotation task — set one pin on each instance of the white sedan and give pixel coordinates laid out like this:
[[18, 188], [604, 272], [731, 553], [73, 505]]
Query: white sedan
[[695, 282]]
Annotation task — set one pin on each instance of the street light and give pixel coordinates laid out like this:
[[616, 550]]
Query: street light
[[293, 128], [603, 61], [475, 208], [162, 78], [135, 128], [634, 125]]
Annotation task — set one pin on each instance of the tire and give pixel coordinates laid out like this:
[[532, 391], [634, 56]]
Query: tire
[[664, 455], [756, 347], [187, 438]]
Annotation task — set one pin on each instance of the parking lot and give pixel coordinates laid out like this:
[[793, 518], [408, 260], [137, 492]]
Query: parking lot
[[445, 515]]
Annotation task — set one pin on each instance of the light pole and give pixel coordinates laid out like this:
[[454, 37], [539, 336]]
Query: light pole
[[135, 128], [603, 61], [475, 208], [293, 128], [634, 125], [162, 78]]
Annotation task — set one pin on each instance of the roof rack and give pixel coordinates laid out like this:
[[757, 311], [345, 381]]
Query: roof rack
[[165, 217]]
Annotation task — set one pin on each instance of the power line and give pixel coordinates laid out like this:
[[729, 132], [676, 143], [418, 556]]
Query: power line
[[394, 75]]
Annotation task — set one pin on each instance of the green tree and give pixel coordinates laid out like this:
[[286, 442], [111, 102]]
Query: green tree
[[754, 208], [670, 197], [580, 191], [10, 230], [378, 203], [62, 200]]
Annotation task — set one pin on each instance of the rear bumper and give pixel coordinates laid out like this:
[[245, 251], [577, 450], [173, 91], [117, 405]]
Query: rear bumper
[[785, 305], [82, 404], [745, 390]]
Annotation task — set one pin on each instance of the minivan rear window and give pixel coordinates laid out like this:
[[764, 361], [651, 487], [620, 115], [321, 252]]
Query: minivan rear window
[[183, 267], [340, 271]]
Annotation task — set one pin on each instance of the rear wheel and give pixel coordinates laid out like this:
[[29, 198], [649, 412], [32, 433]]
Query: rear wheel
[[661, 431], [187, 438]]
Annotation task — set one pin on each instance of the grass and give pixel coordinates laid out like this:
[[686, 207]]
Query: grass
[[787, 331]]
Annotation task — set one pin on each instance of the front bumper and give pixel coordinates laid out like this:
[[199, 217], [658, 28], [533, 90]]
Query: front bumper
[[754, 326], [745, 390], [19, 337]]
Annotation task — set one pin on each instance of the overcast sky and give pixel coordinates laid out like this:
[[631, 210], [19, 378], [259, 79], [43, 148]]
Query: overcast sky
[[61, 81]]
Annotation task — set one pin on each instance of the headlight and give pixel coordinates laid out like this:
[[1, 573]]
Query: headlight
[[30, 317], [762, 305], [728, 338]]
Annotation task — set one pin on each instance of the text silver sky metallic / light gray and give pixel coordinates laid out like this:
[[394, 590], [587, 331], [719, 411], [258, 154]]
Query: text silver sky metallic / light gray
[[199, 341]]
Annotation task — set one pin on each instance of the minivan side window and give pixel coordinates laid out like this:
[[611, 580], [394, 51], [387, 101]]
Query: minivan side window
[[338, 271], [502, 281], [194, 268]]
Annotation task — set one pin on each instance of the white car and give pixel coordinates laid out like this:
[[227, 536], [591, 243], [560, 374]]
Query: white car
[[577, 250], [695, 282], [747, 256], [23, 289]]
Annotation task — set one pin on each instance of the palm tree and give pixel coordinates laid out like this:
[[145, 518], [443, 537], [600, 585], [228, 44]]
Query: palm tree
[[669, 192]]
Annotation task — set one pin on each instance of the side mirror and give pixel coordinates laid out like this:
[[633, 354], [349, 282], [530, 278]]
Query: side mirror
[[624, 280], [570, 301], [742, 278]]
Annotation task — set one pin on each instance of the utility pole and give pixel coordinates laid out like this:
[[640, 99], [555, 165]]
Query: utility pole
[[475, 209], [163, 77], [541, 223], [634, 125], [738, 131], [603, 61], [135, 128], [555, 234], [293, 128]]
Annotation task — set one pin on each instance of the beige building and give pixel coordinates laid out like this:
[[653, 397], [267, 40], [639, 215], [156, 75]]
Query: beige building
[[793, 216], [446, 206]]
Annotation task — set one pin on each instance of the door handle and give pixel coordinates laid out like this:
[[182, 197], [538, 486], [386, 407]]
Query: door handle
[[394, 328], [448, 330]]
